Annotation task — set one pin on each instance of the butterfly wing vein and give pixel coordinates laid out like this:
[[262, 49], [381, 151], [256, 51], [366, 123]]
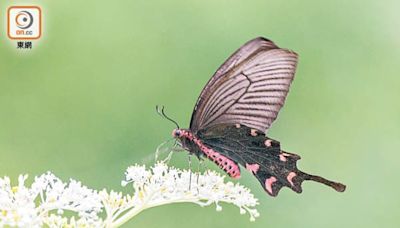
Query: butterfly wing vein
[[249, 88]]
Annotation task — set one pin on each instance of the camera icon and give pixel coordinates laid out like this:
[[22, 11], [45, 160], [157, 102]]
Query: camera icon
[[24, 22]]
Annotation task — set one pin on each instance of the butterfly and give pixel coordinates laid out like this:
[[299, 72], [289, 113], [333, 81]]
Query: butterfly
[[236, 108]]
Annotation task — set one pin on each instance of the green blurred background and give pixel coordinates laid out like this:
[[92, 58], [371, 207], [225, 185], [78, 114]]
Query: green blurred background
[[81, 103]]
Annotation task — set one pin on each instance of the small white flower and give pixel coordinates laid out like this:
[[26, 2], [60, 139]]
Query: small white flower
[[137, 174]]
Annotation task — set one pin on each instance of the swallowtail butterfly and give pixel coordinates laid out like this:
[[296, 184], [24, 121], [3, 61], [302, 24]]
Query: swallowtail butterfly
[[236, 108]]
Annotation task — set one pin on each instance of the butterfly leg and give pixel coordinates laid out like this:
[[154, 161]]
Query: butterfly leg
[[198, 174], [198, 170], [168, 158], [177, 147], [158, 151], [162, 148], [190, 171]]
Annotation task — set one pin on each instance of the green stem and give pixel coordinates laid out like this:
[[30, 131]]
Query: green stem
[[133, 212], [126, 217]]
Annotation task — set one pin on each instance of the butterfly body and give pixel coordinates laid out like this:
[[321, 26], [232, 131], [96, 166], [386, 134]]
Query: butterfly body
[[195, 145], [237, 107]]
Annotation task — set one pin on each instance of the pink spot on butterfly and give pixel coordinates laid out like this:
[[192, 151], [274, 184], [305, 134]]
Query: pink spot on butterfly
[[253, 132], [290, 177], [237, 125], [252, 167], [282, 157], [268, 142], [268, 184]]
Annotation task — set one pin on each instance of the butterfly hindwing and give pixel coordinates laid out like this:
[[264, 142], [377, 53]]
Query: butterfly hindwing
[[260, 155]]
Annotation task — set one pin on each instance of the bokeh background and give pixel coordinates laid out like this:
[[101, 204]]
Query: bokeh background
[[81, 103]]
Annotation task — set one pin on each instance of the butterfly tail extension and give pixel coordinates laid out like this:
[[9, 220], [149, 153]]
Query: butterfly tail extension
[[335, 185]]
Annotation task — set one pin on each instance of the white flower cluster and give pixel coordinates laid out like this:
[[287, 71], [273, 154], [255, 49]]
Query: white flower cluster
[[44, 202]]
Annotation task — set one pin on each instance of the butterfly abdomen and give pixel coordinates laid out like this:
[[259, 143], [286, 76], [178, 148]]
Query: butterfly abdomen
[[228, 165]]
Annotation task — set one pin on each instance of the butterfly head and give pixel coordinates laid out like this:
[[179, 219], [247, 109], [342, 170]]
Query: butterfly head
[[177, 133]]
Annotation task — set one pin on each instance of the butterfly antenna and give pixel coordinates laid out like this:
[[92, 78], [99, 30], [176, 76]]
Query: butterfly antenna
[[162, 114]]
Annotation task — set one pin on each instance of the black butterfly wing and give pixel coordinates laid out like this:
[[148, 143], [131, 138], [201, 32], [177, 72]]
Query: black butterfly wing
[[262, 156], [249, 88]]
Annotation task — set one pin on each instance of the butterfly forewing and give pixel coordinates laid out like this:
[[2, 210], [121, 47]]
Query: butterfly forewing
[[249, 88]]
